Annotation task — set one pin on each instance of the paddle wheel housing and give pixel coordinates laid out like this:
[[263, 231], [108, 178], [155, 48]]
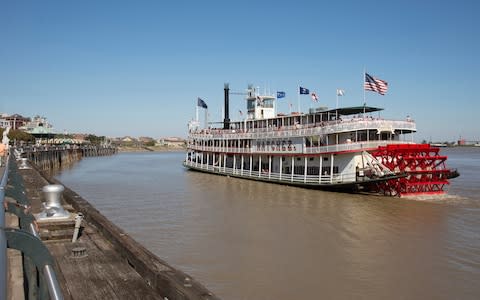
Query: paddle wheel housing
[[424, 168]]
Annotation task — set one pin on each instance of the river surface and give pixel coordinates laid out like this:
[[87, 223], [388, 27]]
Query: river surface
[[249, 240]]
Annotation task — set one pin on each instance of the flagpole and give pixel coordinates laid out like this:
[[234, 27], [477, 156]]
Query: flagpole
[[336, 108], [337, 100], [298, 98], [196, 112], [206, 118], [363, 83], [364, 92]]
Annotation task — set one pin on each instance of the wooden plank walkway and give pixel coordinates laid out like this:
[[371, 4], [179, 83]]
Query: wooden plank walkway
[[115, 265], [101, 274]]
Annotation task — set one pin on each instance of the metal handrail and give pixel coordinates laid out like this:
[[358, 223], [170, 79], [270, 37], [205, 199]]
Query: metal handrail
[[30, 235], [3, 237]]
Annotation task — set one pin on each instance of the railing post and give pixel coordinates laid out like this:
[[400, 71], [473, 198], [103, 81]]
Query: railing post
[[32, 247]]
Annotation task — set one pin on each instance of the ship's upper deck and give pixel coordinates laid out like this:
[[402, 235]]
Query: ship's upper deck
[[317, 122]]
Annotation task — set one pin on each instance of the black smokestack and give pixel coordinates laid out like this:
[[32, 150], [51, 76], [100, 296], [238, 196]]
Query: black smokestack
[[226, 121]]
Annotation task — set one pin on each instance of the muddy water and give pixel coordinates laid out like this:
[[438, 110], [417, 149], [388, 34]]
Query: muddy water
[[251, 240]]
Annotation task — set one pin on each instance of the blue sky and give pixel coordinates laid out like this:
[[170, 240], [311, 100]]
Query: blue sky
[[136, 68]]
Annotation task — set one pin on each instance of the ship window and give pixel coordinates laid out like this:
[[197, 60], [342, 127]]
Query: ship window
[[326, 170], [298, 158], [299, 170], [311, 158], [268, 103], [362, 135], [325, 159], [251, 104], [312, 170], [283, 158]]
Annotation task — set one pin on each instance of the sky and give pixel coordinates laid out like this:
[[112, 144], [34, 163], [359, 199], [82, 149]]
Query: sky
[[136, 68]]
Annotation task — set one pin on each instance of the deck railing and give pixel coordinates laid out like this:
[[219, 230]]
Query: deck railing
[[275, 176], [307, 130], [353, 146]]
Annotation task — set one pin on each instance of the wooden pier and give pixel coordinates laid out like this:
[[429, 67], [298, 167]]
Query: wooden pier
[[51, 158], [105, 262]]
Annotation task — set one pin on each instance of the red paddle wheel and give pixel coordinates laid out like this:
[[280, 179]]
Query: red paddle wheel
[[423, 166]]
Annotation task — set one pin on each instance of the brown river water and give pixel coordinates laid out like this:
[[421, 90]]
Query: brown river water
[[251, 240]]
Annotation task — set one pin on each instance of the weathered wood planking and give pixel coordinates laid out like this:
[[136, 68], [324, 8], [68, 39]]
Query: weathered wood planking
[[117, 267]]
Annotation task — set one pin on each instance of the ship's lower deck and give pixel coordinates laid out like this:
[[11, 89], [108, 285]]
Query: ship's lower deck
[[396, 170], [335, 182], [347, 171]]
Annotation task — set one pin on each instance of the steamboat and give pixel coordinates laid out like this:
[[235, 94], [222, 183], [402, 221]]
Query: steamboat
[[343, 149]]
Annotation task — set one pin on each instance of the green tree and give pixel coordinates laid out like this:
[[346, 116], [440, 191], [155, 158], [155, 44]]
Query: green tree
[[95, 140], [18, 135]]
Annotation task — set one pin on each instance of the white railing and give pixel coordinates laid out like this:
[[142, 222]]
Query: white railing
[[306, 130], [354, 146], [273, 176]]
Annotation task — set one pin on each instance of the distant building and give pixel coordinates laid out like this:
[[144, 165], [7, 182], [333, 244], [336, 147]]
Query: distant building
[[35, 123], [172, 142], [4, 123], [16, 121], [144, 139], [40, 129]]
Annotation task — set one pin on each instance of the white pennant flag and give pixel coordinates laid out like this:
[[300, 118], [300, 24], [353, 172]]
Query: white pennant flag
[[340, 92]]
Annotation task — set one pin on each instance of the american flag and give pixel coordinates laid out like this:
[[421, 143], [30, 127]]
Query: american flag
[[375, 85], [314, 97]]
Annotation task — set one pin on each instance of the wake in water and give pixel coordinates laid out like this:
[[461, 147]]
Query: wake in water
[[450, 199]]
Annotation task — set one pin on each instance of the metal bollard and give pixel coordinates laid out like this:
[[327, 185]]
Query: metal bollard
[[23, 164], [78, 221], [52, 206], [18, 154]]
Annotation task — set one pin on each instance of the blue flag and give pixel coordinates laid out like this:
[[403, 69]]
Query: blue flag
[[201, 103], [280, 95], [304, 91]]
